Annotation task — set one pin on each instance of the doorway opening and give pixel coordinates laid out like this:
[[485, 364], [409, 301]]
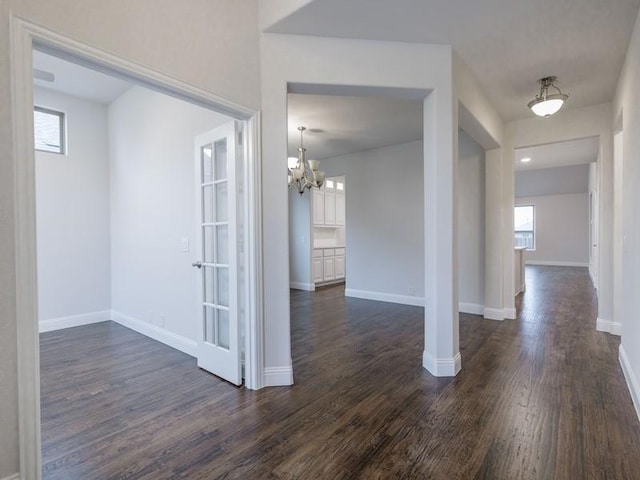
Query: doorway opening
[[556, 207], [358, 240], [26, 38]]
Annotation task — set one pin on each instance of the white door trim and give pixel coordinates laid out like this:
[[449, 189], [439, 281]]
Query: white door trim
[[254, 333], [24, 36]]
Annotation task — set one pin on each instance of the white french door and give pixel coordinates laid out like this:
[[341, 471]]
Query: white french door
[[216, 213]]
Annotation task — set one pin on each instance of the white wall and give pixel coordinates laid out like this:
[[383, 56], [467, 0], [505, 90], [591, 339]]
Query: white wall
[[423, 71], [151, 140], [300, 239], [619, 230], [595, 222], [273, 11], [471, 219], [561, 199], [552, 181], [561, 229], [385, 221], [213, 45], [376, 231], [72, 206], [626, 115], [573, 124], [476, 116]]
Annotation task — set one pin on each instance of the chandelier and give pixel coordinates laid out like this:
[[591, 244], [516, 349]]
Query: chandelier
[[304, 173], [545, 105]]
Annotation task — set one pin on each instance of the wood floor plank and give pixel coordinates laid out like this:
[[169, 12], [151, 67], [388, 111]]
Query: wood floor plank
[[540, 397]]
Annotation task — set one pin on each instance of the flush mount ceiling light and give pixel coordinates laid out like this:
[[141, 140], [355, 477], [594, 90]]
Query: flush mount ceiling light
[[525, 159], [545, 104], [304, 173]]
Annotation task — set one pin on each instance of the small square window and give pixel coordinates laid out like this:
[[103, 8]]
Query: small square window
[[48, 126]]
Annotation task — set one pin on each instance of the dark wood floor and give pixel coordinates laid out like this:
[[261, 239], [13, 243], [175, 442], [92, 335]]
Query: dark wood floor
[[540, 397]]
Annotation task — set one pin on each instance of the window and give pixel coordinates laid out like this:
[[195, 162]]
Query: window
[[48, 126], [524, 235]]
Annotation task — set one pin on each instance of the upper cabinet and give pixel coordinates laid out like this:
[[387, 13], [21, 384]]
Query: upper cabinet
[[329, 203], [318, 206], [340, 202]]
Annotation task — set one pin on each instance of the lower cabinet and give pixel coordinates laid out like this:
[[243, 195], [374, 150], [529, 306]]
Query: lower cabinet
[[328, 264], [329, 269], [318, 273], [340, 266], [316, 266]]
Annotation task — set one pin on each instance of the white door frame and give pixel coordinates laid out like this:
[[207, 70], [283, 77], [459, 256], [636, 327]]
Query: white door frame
[[24, 36]]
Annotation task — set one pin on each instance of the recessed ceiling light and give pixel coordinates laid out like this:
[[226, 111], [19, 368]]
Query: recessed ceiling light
[[525, 159]]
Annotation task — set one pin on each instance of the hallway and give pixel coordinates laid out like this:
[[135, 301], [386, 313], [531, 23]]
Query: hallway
[[540, 397]]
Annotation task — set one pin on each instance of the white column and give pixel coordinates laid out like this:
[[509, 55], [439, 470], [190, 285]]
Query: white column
[[618, 234], [441, 356], [508, 201], [494, 213], [605, 237]]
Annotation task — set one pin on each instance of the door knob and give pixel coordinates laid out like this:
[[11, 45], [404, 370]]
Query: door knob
[[197, 264]]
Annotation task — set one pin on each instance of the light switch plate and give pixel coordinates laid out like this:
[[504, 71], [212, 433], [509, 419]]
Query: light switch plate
[[184, 244]]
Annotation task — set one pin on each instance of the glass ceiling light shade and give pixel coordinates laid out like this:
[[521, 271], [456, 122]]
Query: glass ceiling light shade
[[304, 174], [545, 104]]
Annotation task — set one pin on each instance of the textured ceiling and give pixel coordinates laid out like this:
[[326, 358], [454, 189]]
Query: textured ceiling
[[508, 44]]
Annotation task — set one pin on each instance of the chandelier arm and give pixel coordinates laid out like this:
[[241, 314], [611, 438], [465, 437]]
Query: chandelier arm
[[556, 87]]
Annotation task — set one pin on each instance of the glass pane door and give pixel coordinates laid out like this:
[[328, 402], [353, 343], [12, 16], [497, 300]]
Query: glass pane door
[[215, 243], [219, 340]]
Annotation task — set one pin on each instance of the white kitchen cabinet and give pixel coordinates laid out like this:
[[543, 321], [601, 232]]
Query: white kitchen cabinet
[[318, 271], [340, 266], [340, 209], [329, 208], [329, 219], [328, 265], [329, 269], [318, 206], [316, 266], [329, 203]]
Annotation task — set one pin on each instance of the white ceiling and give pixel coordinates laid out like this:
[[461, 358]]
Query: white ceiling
[[581, 41], [339, 125], [573, 152], [77, 80], [508, 44]]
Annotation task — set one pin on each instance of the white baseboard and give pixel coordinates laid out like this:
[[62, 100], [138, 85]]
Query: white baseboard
[[15, 476], [442, 367], [630, 377], [59, 323], [493, 313], [385, 297], [614, 328], [307, 287], [162, 335], [472, 308], [553, 263], [278, 376], [510, 313]]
